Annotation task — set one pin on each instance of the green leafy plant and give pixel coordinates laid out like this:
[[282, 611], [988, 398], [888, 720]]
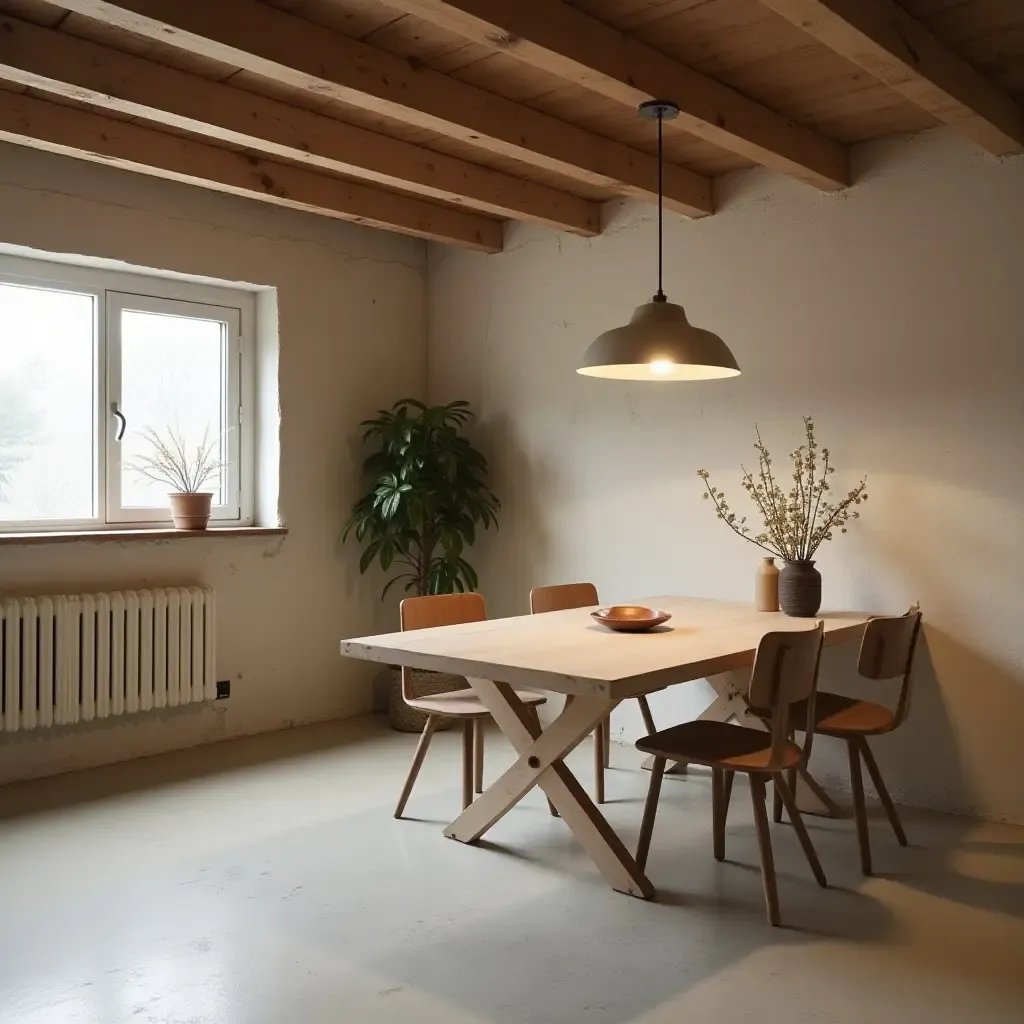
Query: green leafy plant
[[170, 460], [798, 522], [427, 494]]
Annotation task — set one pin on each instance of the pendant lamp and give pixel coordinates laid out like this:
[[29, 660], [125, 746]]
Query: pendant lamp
[[659, 343]]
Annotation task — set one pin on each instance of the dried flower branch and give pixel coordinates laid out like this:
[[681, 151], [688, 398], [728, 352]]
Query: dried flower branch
[[170, 462], [797, 523]]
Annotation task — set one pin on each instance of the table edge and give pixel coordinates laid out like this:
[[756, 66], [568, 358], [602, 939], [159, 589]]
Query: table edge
[[361, 648]]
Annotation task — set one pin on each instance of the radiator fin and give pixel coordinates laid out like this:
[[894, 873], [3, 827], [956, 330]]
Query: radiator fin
[[79, 657]]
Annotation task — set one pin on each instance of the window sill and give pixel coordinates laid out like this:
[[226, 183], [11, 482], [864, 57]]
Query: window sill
[[122, 535]]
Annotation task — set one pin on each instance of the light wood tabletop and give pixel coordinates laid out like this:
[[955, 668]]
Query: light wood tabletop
[[567, 652]]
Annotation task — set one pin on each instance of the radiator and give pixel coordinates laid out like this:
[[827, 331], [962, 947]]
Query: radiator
[[77, 657]]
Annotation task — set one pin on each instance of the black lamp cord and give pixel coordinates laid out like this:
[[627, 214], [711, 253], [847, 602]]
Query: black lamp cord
[[660, 296]]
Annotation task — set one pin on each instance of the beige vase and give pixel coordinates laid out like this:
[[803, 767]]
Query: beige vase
[[766, 586], [190, 511]]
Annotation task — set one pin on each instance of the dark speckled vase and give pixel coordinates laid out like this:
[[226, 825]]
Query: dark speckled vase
[[800, 589]]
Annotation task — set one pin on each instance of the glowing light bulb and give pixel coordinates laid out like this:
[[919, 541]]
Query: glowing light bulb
[[661, 367]]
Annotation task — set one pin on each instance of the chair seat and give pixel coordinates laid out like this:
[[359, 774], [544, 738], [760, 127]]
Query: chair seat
[[465, 703], [836, 715], [718, 745]]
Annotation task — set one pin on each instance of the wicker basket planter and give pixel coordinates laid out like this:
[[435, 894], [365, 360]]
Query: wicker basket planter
[[421, 684]]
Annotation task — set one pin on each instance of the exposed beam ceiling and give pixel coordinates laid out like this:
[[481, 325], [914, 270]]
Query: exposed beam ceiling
[[882, 38], [28, 121], [78, 69], [552, 36], [287, 49]]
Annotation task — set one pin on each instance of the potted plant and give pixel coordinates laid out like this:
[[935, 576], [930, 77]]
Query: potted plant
[[169, 461], [795, 524], [426, 495]]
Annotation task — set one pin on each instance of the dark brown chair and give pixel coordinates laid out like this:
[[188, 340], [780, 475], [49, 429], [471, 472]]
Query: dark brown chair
[[886, 652], [464, 704], [784, 679], [584, 595]]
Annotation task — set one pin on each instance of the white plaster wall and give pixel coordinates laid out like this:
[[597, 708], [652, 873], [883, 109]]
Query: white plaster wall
[[351, 306], [892, 312]]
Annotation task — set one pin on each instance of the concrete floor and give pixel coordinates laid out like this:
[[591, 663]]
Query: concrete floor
[[265, 882]]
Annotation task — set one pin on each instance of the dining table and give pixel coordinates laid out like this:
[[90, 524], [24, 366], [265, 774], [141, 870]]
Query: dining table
[[569, 653]]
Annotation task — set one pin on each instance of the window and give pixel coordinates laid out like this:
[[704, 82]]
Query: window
[[94, 365]]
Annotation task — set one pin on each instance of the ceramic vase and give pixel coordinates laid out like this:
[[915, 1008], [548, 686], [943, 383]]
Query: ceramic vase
[[800, 589], [766, 586]]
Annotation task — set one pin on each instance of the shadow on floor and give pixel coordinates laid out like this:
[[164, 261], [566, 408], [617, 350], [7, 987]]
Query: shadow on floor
[[125, 777]]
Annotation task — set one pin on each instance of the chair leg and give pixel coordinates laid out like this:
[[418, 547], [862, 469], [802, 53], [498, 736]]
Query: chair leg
[[883, 793], [718, 811], [782, 788], [467, 763], [599, 731], [776, 795], [417, 761], [606, 739], [726, 795], [478, 753], [859, 809], [645, 711], [535, 715], [758, 796], [643, 845]]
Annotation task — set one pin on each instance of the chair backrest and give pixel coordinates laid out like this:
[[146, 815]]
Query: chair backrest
[[563, 596], [438, 610], [785, 673], [887, 652]]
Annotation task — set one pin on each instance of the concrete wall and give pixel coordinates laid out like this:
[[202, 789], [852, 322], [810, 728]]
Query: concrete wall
[[893, 313], [351, 308]]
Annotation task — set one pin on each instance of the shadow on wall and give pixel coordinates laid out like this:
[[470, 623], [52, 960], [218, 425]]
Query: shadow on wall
[[511, 562], [927, 761]]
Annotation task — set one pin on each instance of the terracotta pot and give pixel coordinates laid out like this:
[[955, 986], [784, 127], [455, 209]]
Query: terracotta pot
[[190, 511], [800, 589]]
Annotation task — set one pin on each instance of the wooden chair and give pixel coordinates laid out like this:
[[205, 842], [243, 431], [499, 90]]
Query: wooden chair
[[886, 652], [447, 610], [784, 676], [583, 595]]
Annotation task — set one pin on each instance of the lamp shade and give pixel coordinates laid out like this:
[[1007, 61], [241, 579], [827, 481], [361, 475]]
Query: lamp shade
[[659, 344]]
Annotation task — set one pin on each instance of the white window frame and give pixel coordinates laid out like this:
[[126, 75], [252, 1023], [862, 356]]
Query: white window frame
[[113, 291]]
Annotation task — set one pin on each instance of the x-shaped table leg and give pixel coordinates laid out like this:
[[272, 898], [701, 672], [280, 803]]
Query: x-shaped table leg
[[540, 763]]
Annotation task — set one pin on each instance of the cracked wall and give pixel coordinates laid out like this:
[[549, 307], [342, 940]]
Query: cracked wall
[[352, 338]]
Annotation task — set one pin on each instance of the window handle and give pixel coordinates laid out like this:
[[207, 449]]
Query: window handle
[[122, 422]]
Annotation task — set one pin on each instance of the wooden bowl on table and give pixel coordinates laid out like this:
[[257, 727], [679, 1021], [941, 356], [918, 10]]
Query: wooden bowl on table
[[630, 618]]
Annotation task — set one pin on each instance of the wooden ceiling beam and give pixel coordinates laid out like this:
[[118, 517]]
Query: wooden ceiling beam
[[552, 36], [284, 48], [78, 69], [71, 131], [883, 39]]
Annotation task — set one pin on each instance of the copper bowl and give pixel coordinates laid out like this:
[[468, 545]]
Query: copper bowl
[[630, 618]]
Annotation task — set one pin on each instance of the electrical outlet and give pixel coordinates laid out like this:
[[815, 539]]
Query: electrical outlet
[[223, 689]]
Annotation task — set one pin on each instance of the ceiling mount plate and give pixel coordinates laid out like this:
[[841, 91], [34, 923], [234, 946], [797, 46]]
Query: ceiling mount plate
[[654, 109]]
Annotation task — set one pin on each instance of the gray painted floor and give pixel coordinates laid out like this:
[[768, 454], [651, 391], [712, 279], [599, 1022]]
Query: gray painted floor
[[265, 881]]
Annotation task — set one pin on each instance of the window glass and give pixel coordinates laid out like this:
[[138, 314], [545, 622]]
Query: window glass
[[47, 404], [172, 391]]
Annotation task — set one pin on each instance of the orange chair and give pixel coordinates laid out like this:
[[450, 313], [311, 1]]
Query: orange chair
[[886, 652], [584, 595], [448, 610], [784, 679]]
